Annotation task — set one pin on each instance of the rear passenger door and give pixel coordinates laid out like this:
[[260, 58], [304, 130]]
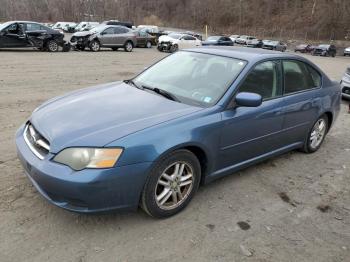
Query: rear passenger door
[[302, 105], [120, 36]]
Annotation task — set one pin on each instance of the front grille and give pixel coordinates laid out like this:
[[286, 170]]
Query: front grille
[[35, 141]]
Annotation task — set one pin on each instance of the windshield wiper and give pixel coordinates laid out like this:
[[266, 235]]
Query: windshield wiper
[[131, 82], [162, 92]]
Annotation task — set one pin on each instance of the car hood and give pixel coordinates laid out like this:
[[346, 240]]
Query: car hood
[[83, 33], [97, 116], [165, 38]]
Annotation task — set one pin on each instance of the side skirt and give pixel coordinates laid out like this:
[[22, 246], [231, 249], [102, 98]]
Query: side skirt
[[234, 168]]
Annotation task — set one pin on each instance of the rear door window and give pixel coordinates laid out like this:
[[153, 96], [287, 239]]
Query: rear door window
[[299, 77], [33, 27]]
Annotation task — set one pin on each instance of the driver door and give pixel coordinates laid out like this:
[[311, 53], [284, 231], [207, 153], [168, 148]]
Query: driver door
[[106, 37], [251, 132], [14, 36]]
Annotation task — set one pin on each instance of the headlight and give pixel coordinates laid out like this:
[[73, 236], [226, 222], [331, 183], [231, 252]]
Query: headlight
[[81, 158]]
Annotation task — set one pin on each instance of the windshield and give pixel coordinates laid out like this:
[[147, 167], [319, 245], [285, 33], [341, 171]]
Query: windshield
[[175, 36], [213, 38], [98, 29], [4, 25], [194, 78]]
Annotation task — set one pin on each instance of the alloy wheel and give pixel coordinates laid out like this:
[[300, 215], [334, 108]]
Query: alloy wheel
[[95, 46], [174, 185], [128, 47], [53, 46], [317, 134]]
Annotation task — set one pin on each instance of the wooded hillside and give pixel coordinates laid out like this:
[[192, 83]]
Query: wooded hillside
[[322, 19]]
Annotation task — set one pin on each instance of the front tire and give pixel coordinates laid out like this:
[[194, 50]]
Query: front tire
[[128, 47], [52, 46], [95, 46], [316, 135], [171, 185], [174, 48]]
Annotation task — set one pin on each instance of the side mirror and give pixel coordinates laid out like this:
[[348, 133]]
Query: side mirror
[[248, 99], [3, 33], [103, 33]]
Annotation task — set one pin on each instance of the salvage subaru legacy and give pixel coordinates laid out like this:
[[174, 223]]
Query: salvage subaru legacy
[[195, 116]]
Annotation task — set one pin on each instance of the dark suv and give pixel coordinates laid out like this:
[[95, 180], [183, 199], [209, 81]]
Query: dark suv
[[325, 50], [30, 34]]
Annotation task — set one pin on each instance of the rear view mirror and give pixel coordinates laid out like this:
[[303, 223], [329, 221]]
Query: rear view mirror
[[248, 99]]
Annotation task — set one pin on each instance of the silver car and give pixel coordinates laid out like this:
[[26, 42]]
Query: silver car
[[345, 84], [109, 36]]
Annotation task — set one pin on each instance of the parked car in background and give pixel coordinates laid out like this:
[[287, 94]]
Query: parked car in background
[[176, 41], [255, 43], [196, 35], [304, 48], [347, 51], [144, 39], [242, 40], [109, 36], [86, 26], [218, 40], [234, 37], [30, 34], [148, 28], [69, 27], [325, 50], [275, 45], [345, 84], [193, 117], [63, 25], [116, 22]]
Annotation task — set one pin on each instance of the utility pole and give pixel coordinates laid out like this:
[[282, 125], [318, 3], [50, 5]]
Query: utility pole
[[240, 16]]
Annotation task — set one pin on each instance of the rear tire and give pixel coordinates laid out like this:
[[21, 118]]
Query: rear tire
[[171, 184], [316, 135], [148, 44], [52, 46]]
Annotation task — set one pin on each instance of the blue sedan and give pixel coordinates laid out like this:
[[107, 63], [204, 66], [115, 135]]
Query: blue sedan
[[195, 116]]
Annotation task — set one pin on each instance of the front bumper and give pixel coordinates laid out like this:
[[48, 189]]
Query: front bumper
[[86, 191], [165, 46]]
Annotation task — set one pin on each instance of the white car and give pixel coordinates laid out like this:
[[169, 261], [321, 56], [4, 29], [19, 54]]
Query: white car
[[234, 37], [63, 25], [347, 51], [149, 28], [175, 41], [86, 26], [345, 84]]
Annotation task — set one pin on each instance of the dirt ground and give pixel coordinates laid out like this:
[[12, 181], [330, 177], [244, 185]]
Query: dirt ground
[[295, 207]]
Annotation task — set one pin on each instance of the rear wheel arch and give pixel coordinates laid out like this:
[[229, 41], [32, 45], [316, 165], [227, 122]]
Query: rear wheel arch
[[330, 119]]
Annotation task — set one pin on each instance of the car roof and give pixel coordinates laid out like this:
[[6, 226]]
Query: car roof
[[247, 54]]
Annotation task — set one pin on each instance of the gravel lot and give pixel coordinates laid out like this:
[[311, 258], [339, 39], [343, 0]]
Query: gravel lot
[[295, 207]]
